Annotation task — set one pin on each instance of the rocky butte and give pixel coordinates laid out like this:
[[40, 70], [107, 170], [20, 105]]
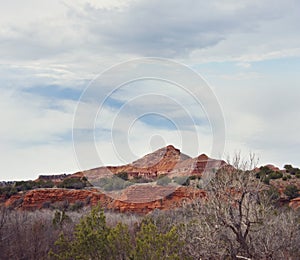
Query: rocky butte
[[142, 195], [158, 180]]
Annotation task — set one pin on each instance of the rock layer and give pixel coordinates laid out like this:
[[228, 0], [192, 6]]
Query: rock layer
[[140, 198], [137, 199], [165, 161]]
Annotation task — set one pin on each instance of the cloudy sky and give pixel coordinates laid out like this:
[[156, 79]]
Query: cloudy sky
[[247, 51]]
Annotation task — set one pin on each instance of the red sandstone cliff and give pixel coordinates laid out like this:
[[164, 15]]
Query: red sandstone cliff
[[139, 198], [167, 160], [295, 203], [136, 199]]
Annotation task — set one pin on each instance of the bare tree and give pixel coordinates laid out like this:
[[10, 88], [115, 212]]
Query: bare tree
[[3, 218], [28, 235], [279, 237], [237, 220]]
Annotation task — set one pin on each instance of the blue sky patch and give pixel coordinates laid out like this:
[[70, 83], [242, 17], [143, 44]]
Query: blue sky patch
[[55, 92]]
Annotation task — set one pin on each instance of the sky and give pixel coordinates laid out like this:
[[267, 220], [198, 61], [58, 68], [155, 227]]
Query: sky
[[78, 91]]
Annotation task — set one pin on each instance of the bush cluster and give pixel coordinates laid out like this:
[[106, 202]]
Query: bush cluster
[[265, 174], [291, 191], [163, 181], [113, 183], [94, 239], [74, 183], [123, 175], [292, 170], [272, 194], [140, 179], [68, 183], [182, 180], [14, 188], [225, 225]]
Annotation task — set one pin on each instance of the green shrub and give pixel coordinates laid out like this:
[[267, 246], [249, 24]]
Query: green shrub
[[140, 179], [44, 184], [25, 185], [260, 175], [273, 194], [13, 189], [182, 180], [194, 177], [297, 175], [265, 170], [265, 174], [266, 180], [153, 244], [291, 191], [290, 169], [76, 206], [73, 183], [119, 242], [275, 175], [163, 181], [123, 175], [113, 183], [8, 191], [93, 239], [284, 178]]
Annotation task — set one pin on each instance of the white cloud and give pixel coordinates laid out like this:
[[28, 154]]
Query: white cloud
[[261, 117], [77, 33], [245, 65], [69, 42], [28, 162], [34, 137], [28, 119]]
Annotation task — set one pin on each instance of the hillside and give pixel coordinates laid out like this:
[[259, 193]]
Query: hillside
[[162, 179]]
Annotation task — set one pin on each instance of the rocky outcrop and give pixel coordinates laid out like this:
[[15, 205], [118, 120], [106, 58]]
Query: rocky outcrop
[[197, 166], [140, 198], [165, 161], [36, 199], [136, 199], [161, 198], [162, 161], [295, 203], [54, 177], [150, 166]]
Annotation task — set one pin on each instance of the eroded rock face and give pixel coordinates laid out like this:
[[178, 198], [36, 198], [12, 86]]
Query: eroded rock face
[[162, 161], [35, 199], [165, 161], [295, 203], [162, 199], [151, 165], [197, 166], [137, 199]]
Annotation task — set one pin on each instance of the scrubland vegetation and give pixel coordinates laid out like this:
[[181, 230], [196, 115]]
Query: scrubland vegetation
[[266, 174], [7, 190], [239, 219]]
